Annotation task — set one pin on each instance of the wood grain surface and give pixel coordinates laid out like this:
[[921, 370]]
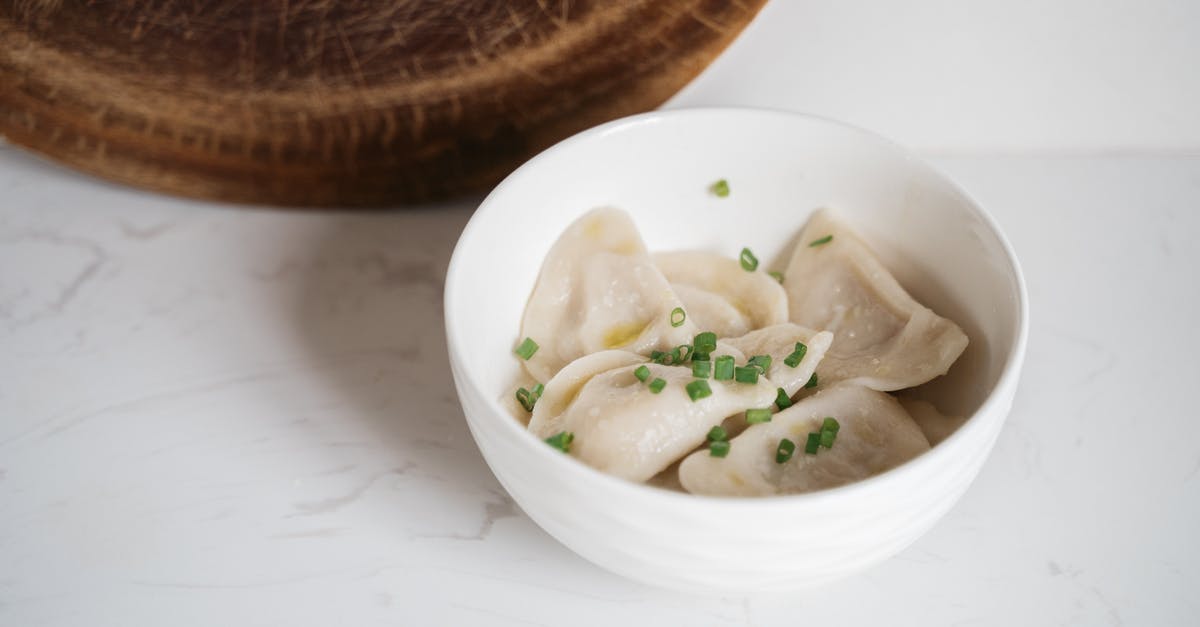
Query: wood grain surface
[[336, 103]]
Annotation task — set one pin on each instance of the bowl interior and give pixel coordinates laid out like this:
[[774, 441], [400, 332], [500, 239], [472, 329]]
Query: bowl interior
[[780, 167]]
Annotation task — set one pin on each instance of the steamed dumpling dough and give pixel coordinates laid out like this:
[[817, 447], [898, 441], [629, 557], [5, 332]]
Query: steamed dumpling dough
[[624, 429], [934, 424], [876, 435], [720, 296], [598, 290], [882, 338], [779, 341]]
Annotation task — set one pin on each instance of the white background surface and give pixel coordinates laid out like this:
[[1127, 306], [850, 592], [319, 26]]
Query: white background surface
[[219, 415]]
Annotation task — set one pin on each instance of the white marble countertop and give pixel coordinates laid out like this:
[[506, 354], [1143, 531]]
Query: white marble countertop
[[214, 415]]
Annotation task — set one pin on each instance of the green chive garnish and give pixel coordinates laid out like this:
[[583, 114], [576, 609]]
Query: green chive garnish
[[705, 342], [784, 451], [827, 438], [720, 188], [820, 242], [830, 424], [526, 398], [814, 443], [723, 368], [755, 416], [782, 400], [812, 381], [717, 434], [778, 276], [762, 362], [678, 316], [527, 348], [657, 385], [561, 441], [718, 449], [749, 261], [642, 373], [745, 374], [659, 357], [698, 389], [537, 390], [797, 355], [701, 368], [681, 353]]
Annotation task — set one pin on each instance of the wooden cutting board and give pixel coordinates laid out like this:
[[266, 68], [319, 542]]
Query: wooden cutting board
[[336, 103]]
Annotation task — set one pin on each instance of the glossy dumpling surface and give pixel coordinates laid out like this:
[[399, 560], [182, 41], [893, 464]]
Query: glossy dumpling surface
[[779, 341], [883, 338], [598, 289], [720, 296], [876, 434], [623, 428]]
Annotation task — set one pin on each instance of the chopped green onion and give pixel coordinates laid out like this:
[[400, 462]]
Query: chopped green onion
[[723, 368], [720, 188], [718, 449], [705, 342], [797, 355], [561, 441], [762, 362], [698, 389], [681, 353], [642, 373], [814, 443], [659, 357], [778, 276], [755, 416], [526, 398], [678, 315], [812, 381], [782, 400], [830, 424], [745, 374], [701, 368], [699, 356], [717, 434], [657, 385], [749, 261], [827, 438], [820, 242], [784, 451], [527, 348]]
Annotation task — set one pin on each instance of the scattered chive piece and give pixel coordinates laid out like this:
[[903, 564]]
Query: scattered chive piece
[[698, 389], [797, 355], [814, 443], [720, 188], [830, 424], [657, 385], [778, 276], [718, 449], [782, 400], [755, 416], [784, 451], [659, 357], [678, 315], [705, 342], [812, 381], [749, 261], [699, 356], [642, 373], [723, 368], [561, 441], [745, 374], [682, 353], [820, 242], [717, 434], [762, 362], [526, 399], [701, 368], [827, 438], [537, 389], [527, 348]]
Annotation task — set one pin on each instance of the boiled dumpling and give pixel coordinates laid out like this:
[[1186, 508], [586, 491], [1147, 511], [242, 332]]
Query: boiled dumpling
[[779, 341], [934, 424], [598, 290], [875, 434], [623, 428], [720, 296], [883, 339]]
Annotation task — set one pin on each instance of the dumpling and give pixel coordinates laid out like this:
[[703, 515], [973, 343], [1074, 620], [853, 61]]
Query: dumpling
[[623, 428], [882, 338], [875, 434], [599, 290], [720, 296], [779, 341], [934, 424]]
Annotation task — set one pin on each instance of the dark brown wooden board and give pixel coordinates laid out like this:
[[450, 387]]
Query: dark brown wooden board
[[336, 103]]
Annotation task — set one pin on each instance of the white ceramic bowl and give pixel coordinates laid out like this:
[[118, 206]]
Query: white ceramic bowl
[[780, 166]]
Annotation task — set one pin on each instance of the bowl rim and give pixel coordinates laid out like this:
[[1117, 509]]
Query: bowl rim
[[580, 472]]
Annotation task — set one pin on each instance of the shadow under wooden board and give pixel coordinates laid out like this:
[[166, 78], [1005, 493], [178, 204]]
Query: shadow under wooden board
[[336, 103]]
